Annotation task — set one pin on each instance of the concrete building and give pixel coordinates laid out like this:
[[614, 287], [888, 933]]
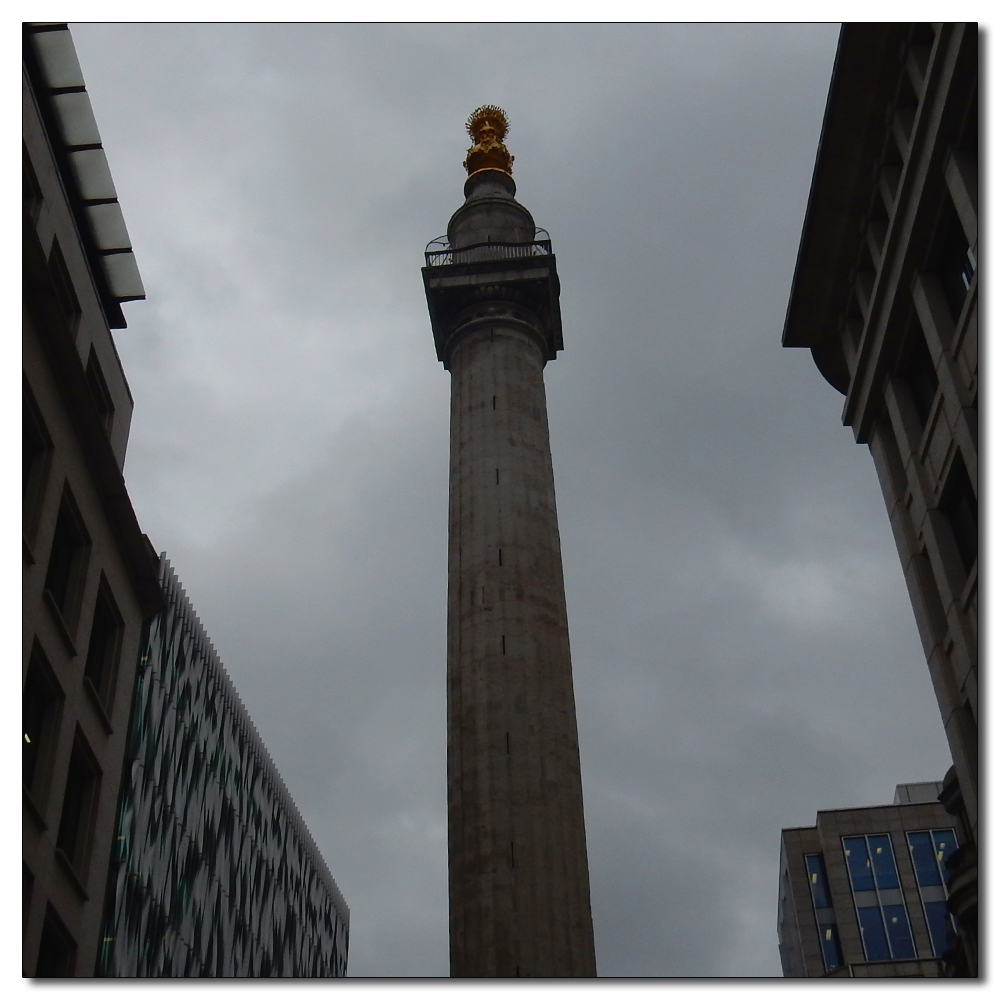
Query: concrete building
[[519, 887], [89, 578], [214, 871], [862, 893], [885, 295]]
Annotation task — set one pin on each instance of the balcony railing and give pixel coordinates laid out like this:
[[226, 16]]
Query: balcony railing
[[440, 251]]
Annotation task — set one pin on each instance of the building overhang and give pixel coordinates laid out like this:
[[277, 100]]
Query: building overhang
[[865, 68], [60, 92]]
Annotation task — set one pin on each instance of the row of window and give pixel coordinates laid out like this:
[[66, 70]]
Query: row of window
[[878, 900], [43, 696], [42, 704], [65, 576], [958, 502], [878, 903], [887, 172], [68, 559], [951, 258], [66, 297]]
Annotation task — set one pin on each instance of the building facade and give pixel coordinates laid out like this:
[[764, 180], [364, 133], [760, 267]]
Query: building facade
[[519, 887], [862, 893], [202, 864], [89, 573], [885, 295], [214, 872]]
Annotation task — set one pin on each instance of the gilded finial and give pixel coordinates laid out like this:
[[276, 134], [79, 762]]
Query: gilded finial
[[488, 125]]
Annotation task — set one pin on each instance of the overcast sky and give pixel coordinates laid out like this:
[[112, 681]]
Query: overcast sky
[[744, 650]]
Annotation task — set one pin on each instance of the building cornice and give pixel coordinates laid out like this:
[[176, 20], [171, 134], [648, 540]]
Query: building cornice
[[58, 87], [852, 133]]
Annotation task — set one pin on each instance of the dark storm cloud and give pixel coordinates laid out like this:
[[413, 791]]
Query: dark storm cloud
[[744, 652]]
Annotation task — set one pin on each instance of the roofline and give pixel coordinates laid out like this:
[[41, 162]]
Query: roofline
[[172, 588], [60, 94]]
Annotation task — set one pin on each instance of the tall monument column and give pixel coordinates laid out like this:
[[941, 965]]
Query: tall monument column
[[519, 887]]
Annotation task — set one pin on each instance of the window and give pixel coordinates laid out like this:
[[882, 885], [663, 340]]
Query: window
[[897, 928], [31, 188], [885, 927], [854, 324], [104, 645], [959, 506], [953, 259], [57, 950], [918, 370], [883, 863], [818, 886], [27, 885], [921, 42], [929, 853], [859, 866], [37, 451], [40, 703], [79, 800], [939, 925], [62, 284], [67, 560], [34, 440], [826, 926], [829, 942], [906, 111], [99, 392], [873, 934]]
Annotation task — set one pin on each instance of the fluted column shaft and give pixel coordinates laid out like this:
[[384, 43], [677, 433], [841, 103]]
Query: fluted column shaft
[[518, 878]]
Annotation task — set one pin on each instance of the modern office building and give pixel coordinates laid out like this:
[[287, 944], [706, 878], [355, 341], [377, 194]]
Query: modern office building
[[204, 866], [885, 295], [862, 893], [214, 872], [90, 575], [519, 887]]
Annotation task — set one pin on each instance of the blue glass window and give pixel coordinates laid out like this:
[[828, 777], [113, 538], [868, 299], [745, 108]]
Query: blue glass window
[[817, 881], [883, 863], [929, 851], [871, 863], [858, 865], [938, 924], [873, 933], [922, 853], [944, 846], [897, 927], [829, 941]]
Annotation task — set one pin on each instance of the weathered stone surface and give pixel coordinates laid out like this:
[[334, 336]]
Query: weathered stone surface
[[518, 880]]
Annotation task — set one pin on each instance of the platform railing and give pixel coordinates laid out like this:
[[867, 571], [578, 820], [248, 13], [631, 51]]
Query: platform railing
[[440, 251]]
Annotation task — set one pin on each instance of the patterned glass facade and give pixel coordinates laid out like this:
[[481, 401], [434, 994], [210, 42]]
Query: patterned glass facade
[[215, 873]]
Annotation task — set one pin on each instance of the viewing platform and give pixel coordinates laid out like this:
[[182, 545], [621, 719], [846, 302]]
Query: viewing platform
[[440, 251]]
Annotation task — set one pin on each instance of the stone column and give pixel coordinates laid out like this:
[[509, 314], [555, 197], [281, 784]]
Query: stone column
[[518, 879]]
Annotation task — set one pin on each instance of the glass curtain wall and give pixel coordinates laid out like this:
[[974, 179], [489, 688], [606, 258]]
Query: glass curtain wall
[[878, 899]]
